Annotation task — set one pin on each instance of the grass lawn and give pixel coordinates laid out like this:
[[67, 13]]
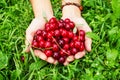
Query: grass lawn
[[102, 63]]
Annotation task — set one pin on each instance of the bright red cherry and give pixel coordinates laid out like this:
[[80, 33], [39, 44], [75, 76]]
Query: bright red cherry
[[48, 44], [82, 46], [49, 35], [39, 38], [42, 43], [70, 34], [48, 53], [69, 52], [34, 43], [62, 53], [39, 32], [75, 38], [57, 33], [77, 44], [82, 38], [64, 33], [72, 45], [44, 33], [67, 20], [72, 25], [67, 27], [66, 47], [47, 27], [66, 40], [53, 20], [55, 48], [82, 33]]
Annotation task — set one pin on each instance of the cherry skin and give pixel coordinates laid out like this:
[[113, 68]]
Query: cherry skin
[[67, 20], [66, 40], [77, 44], [70, 34], [35, 43], [72, 45], [74, 51], [55, 48], [64, 33], [56, 55], [48, 44], [52, 20], [72, 25], [82, 47], [38, 32], [66, 47], [61, 60], [57, 33], [48, 53], [42, 44]]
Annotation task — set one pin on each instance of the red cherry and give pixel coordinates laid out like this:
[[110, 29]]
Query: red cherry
[[39, 38], [72, 25], [48, 44], [57, 33], [56, 55], [74, 51], [61, 60], [75, 38], [82, 33], [48, 53], [38, 32], [67, 27], [49, 35], [77, 44], [52, 20], [52, 26], [55, 47], [67, 20], [60, 24], [42, 43], [66, 47], [82, 38], [82, 46], [70, 34], [62, 53], [44, 33], [34, 43], [72, 45], [47, 27], [64, 33], [66, 40]]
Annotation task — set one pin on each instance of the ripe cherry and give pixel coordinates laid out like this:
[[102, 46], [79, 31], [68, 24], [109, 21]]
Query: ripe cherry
[[35, 43], [67, 20], [77, 44], [82, 46], [66, 47], [48, 53], [55, 48], [48, 44], [56, 55], [74, 51], [61, 60]]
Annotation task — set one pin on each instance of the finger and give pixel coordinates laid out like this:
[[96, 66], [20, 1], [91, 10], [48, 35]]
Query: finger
[[70, 58], [55, 62], [88, 43], [66, 63], [79, 55], [50, 60], [40, 54]]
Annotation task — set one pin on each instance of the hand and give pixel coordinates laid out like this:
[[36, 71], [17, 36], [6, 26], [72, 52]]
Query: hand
[[37, 23], [81, 24]]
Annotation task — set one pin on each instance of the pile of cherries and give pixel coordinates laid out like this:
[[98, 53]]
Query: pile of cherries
[[59, 39]]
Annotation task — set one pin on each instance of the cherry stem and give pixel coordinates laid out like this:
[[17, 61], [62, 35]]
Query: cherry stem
[[59, 45], [42, 49]]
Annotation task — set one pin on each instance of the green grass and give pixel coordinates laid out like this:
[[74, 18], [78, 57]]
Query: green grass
[[102, 63]]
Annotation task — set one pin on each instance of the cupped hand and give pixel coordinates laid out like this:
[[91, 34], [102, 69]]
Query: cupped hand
[[81, 24], [37, 23]]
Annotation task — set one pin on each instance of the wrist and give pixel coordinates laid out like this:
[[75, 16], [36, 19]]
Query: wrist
[[71, 11]]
